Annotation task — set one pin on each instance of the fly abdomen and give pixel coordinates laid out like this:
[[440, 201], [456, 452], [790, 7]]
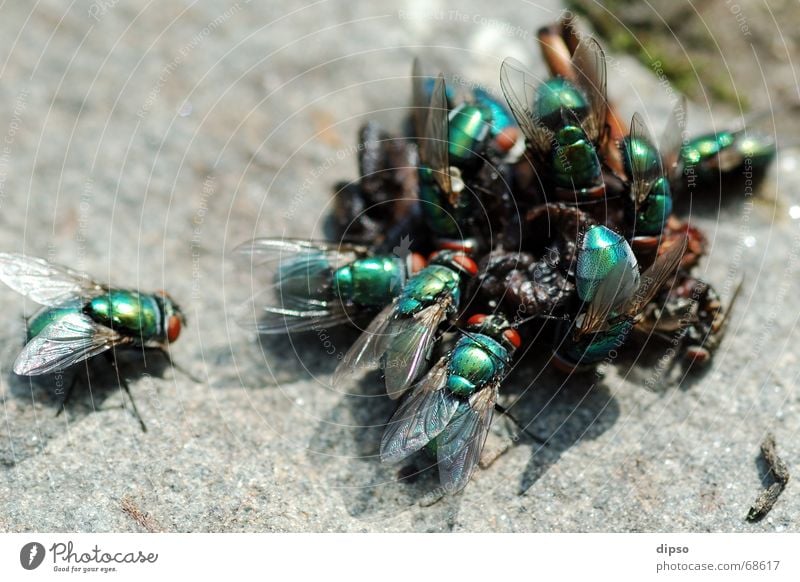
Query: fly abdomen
[[373, 281]]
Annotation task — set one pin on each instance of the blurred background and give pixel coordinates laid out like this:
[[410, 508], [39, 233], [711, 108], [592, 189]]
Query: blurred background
[[142, 141]]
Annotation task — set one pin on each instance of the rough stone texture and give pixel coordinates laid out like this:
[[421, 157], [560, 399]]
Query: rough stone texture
[[141, 142]]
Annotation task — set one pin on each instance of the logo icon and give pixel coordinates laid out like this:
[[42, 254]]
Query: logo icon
[[31, 555]]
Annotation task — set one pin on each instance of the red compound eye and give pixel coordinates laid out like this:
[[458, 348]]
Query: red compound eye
[[467, 264], [512, 335], [476, 319], [173, 328], [416, 262], [506, 139], [698, 355], [460, 246]]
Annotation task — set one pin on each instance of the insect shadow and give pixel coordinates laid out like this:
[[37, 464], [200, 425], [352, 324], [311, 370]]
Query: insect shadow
[[273, 360], [82, 389], [659, 366], [561, 410], [346, 449]]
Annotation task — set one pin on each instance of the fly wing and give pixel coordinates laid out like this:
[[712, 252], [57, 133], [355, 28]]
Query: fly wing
[[672, 139], [261, 315], [519, 89], [419, 102], [298, 297], [269, 251], [644, 174], [421, 416], [654, 278], [589, 62], [44, 282], [616, 289], [434, 148], [408, 349], [65, 342], [368, 348], [460, 444]]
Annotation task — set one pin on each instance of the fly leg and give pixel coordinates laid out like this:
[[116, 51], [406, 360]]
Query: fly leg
[[172, 364], [496, 446], [123, 383], [67, 393]]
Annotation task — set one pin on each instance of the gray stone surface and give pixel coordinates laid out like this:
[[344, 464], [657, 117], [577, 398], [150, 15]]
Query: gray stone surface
[[141, 142]]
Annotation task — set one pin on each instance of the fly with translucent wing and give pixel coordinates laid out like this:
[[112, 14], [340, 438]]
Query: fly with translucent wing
[[318, 284], [80, 318]]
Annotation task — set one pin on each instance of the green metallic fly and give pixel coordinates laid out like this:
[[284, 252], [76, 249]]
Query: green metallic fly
[[318, 284], [400, 338], [81, 318], [564, 123], [613, 292], [449, 411]]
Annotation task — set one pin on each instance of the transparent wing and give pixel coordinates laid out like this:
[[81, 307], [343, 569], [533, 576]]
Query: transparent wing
[[298, 297], [408, 349], [261, 315], [434, 148], [519, 89], [644, 173], [65, 342], [589, 62], [616, 289], [672, 139], [460, 444], [368, 348], [44, 282], [655, 277], [421, 416], [267, 251], [418, 100]]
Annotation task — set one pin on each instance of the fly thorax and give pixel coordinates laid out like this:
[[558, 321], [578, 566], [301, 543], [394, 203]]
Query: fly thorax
[[553, 97], [127, 312], [641, 153], [475, 360], [426, 286], [470, 126], [602, 253]]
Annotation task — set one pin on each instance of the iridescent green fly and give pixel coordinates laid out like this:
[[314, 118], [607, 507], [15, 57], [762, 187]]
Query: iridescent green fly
[[563, 122], [614, 292], [651, 171], [440, 184], [450, 409], [81, 318], [401, 337], [480, 125], [318, 284]]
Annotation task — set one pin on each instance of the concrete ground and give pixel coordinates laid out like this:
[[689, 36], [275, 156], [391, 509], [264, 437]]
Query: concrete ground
[[142, 141]]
